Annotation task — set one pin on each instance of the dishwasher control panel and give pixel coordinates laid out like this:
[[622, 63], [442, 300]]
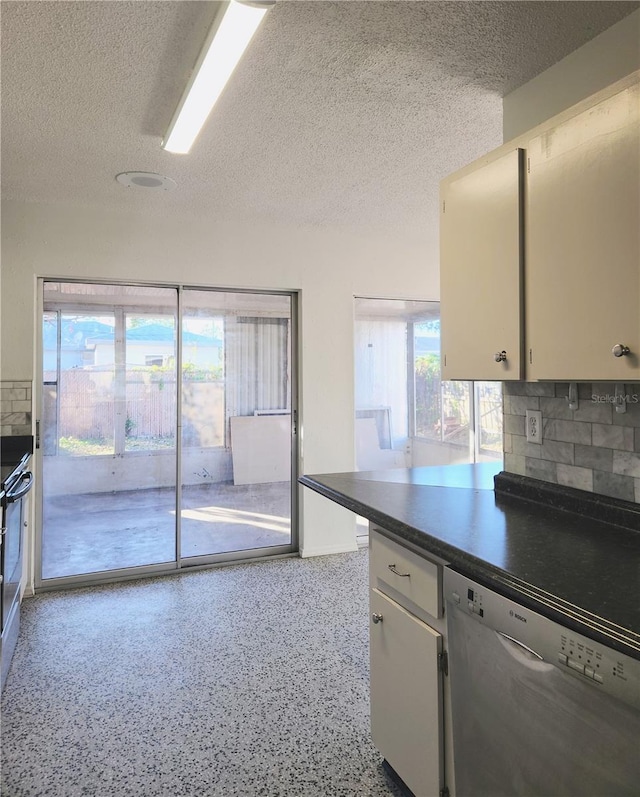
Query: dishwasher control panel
[[545, 640]]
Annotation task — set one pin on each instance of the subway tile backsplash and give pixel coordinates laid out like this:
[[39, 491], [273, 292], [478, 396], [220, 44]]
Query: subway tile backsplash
[[15, 408], [591, 448]]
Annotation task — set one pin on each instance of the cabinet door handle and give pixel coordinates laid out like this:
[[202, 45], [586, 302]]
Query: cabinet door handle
[[500, 356], [377, 618], [620, 350], [398, 573]]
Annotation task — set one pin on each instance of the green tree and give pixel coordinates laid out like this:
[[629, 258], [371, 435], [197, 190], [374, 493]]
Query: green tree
[[428, 395]]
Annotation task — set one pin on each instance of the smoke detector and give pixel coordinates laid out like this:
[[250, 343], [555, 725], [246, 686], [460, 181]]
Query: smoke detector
[[146, 180]]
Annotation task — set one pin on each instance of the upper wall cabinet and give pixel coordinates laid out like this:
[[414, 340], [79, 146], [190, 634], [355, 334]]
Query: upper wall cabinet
[[581, 225], [481, 270], [582, 272]]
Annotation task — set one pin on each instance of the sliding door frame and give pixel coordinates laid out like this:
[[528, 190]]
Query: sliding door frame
[[251, 554], [36, 583]]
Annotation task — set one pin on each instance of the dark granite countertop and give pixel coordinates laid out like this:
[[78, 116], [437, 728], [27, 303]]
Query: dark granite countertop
[[571, 567]]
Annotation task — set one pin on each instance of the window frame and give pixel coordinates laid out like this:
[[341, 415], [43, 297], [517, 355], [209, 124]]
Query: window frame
[[473, 387]]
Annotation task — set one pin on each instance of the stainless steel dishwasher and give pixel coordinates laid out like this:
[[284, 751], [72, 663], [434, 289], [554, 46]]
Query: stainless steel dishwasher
[[537, 709]]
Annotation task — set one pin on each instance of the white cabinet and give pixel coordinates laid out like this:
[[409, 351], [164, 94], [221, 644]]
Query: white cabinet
[[481, 270], [408, 578], [583, 244], [407, 680], [578, 216], [406, 698]]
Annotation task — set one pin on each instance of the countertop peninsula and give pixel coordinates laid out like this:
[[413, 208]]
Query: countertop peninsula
[[578, 565]]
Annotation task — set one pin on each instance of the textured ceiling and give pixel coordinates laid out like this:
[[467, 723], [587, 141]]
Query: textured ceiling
[[345, 113]]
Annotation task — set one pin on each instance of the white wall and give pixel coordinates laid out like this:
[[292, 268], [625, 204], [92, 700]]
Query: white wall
[[609, 57], [328, 267], [381, 372], [78, 475]]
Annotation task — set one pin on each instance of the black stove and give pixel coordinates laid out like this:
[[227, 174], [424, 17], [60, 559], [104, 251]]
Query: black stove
[[9, 472], [17, 480], [14, 455]]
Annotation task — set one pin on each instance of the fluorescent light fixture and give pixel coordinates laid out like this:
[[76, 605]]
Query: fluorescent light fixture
[[227, 40]]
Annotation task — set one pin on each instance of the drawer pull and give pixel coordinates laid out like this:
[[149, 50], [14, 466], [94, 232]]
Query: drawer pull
[[398, 573], [377, 618]]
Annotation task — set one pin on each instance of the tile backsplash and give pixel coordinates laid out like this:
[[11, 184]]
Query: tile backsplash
[[591, 448], [15, 408]]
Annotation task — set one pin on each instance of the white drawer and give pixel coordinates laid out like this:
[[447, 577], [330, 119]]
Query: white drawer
[[395, 570]]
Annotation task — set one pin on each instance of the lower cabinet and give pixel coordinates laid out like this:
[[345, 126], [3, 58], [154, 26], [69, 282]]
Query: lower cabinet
[[409, 698], [406, 695]]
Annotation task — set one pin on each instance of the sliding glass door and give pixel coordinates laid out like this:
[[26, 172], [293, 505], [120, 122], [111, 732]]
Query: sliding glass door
[[141, 384], [236, 422], [108, 428]]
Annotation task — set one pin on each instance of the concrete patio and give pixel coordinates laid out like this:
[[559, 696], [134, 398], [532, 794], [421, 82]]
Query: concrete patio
[[94, 532]]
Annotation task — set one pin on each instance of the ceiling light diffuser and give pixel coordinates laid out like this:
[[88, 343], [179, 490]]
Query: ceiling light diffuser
[[226, 42], [146, 180]]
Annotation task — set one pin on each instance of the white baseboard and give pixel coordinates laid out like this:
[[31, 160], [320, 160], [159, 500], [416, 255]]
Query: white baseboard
[[325, 550]]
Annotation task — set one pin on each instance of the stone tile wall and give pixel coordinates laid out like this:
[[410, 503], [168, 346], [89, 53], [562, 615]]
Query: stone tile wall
[[15, 408], [591, 448]]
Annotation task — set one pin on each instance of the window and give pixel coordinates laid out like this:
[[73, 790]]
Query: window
[[405, 414]]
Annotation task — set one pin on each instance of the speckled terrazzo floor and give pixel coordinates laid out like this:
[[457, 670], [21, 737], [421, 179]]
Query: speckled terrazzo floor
[[242, 680]]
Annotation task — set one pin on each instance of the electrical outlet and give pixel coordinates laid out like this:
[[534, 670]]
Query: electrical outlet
[[533, 422]]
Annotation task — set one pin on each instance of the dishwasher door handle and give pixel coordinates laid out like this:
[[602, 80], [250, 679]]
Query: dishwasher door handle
[[517, 642]]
